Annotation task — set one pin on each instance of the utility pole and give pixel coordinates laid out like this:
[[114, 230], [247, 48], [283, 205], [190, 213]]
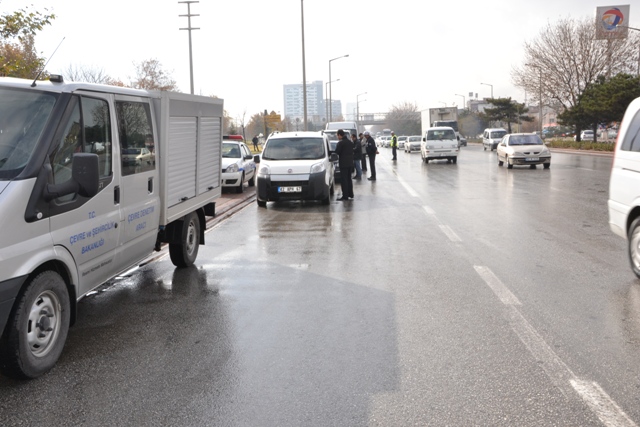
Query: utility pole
[[189, 28]]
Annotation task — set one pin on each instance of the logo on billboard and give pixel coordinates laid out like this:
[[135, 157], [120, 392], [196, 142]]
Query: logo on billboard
[[611, 22]]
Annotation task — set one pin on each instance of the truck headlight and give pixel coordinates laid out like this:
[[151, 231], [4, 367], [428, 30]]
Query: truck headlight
[[318, 167]]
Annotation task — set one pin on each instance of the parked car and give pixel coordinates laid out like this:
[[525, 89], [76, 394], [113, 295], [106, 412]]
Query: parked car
[[491, 137], [585, 135], [401, 141], [412, 143], [439, 143], [523, 149], [296, 166], [137, 156], [238, 165], [624, 185]]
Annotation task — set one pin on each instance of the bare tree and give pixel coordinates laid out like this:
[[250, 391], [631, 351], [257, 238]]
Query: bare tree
[[566, 57], [150, 75], [404, 118], [76, 73]]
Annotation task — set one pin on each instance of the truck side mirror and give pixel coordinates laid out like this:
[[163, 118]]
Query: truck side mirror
[[84, 178]]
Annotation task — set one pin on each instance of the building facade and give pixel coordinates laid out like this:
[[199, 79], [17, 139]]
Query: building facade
[[294, 101]]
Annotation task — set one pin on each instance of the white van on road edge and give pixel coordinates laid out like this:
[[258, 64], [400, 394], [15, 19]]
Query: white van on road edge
[[624, 185]]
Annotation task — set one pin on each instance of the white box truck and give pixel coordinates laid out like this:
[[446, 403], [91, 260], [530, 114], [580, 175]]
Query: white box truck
[[92, 179]]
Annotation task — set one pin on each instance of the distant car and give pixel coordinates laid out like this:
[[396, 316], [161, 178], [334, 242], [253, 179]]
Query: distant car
[[238, 165], [585, 135], [439, 143], [137, 156], [523, 149], [401, 141], [462, 142], [491, 137], [412, 143]]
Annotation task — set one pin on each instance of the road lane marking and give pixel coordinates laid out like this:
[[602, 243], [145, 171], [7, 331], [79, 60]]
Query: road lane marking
[[498, 288], [450, 233], [406, 186], [428, 210], [601, 404], [598, 401]]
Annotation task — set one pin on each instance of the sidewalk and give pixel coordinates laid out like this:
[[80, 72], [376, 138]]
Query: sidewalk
[[229, 203]]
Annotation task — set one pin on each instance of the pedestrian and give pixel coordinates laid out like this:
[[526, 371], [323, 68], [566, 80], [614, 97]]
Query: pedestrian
[[344, 150], [357, 156], [372, 150], [255, 142], [363, 145], [394, 145]]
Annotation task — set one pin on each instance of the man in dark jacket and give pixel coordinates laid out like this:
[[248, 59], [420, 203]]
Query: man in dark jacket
[[357, 156], [371, 152], [362, 143], [344, 150]]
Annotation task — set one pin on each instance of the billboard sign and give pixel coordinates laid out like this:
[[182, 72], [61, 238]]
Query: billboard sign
[[612, 22]]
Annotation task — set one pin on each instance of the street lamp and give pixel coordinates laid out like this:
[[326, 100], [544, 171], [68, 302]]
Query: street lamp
[[464, 102], [326, 106], [487, 84], [330, 109], [304, 72], [540, 100], [358, 106]]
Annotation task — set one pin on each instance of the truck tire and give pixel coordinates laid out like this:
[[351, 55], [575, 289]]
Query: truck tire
[[184, 254], [36, 332]]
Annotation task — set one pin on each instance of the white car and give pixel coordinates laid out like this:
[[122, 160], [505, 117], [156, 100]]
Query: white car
[[439, 143], [238, 165], [585, 135], [523, 149], [401, 141], [296, 166], [412, 143], [624, 185]]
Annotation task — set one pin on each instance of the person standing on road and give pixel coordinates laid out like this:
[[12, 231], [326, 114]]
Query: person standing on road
[[362, 143], [344, 150], [357, 156], [394, 146], [372, 150], [255, 142]]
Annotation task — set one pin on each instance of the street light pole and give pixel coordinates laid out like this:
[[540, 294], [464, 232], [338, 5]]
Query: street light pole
[[358, 107], [488, 84], [326, 104], [189, 28], [464, 102], [304, 72], [330, 109]]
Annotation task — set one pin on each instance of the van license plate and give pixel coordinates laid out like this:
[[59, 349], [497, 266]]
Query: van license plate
[[289, 189], [532, 159]]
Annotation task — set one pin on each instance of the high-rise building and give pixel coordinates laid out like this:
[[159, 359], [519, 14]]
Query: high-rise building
[[294, 101]]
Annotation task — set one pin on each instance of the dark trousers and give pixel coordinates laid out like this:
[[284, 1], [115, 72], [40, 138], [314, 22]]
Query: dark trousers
[[393, 151], [364, 162], [345, 181], [372, 165]]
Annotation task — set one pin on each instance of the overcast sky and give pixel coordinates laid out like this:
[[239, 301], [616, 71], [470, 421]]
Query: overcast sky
[[418, 51]]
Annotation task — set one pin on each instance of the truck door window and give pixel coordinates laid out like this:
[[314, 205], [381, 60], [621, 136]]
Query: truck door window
[[137, 147], [87, 129]]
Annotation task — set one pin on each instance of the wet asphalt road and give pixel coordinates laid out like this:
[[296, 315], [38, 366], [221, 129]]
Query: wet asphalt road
[[444, 294]]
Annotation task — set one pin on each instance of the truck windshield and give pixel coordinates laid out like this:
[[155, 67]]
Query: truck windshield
[[294, 149], [23, 115]]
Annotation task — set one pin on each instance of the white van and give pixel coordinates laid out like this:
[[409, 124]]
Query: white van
[[296, 166], [439, 143], [491, 137], [624, 184]]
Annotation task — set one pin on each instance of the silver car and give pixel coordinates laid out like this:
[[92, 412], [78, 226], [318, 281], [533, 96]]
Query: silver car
[[523, 149]]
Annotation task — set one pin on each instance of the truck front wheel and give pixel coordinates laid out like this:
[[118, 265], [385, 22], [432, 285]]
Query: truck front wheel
[[38, 328], [184, 254]]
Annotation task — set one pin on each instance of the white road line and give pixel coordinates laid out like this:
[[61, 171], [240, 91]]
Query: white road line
[[601, 404], [450, 233], [428, 210], [406, 186], [598, 401], [498, 288]]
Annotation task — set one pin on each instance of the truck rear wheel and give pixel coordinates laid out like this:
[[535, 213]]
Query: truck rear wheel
[[36, 333], [184, 254]]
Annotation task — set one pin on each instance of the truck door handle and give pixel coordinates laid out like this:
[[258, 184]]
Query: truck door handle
[[116, 195], [150, 185]]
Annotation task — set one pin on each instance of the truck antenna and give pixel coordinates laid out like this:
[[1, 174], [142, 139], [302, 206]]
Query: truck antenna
[[45, 65]]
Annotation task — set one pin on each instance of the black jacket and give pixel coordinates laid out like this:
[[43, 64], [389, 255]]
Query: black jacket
[[344, 149], [371, 146], [357, 149]]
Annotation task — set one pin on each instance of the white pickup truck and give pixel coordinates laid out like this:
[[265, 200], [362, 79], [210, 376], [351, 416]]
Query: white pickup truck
[[75, 210]]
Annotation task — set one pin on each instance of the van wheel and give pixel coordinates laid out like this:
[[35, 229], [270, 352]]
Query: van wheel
[[36, 333], [500, 162], [634, 246], [455, 160], [484, 147], [184, 254], [262, 204], [509, 165], [547, 165], [240, 187]]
